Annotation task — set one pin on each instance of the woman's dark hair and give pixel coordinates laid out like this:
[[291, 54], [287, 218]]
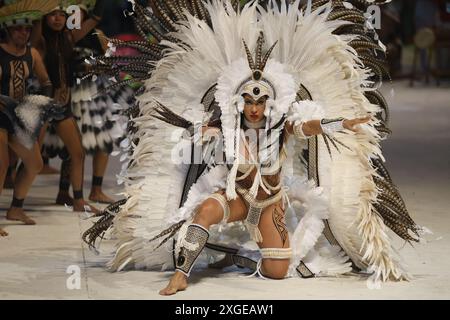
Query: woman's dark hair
[[58, 47], [2, 35]]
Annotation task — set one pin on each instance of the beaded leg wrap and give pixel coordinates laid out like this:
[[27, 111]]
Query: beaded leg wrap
[[224, 204], [271, 253], [252, 221], [255, 208], [191, 244], [276, 253]]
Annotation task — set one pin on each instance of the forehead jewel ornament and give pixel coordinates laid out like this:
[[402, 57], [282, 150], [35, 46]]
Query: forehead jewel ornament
[[257, 86]]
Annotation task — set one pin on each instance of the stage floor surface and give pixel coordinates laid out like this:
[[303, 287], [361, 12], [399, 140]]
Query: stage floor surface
[[35, 260]]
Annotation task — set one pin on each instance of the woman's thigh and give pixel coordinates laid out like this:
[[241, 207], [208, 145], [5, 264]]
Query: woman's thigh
[[275, 235], [211, 211], [31, 158]]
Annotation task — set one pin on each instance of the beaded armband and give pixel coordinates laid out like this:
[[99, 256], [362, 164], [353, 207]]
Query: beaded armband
[[298, 131]]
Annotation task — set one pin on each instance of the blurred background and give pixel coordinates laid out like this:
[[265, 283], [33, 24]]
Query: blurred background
[[415, 32], [417, 35]]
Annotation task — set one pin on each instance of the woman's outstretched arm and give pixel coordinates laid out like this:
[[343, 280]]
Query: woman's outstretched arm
[[315, 127]]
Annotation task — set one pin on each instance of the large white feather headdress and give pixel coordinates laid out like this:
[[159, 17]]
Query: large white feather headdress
[[260, 74]]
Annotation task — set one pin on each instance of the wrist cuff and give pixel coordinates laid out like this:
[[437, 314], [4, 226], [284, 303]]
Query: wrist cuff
[[330, 126]]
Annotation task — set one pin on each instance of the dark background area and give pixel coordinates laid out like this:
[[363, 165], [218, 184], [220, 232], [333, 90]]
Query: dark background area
[[401, 21]]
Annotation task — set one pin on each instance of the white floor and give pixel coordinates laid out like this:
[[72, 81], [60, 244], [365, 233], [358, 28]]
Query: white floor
[[34, 260]]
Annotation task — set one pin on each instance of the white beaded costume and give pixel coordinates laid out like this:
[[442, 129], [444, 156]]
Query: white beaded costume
[[325, 64]]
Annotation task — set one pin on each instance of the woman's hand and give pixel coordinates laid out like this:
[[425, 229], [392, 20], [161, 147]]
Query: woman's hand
[[351, 124]]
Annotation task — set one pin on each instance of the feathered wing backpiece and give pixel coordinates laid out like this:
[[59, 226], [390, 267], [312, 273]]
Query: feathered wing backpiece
[[378, 186], [155, 24], [327, 63]]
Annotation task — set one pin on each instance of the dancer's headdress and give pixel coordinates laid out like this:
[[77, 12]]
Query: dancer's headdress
[[24, 12], [257, 86], [85, 5], [256, 76], [62, 5]]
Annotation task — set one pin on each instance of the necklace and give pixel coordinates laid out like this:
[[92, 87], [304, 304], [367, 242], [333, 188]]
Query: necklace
[[255, 125]]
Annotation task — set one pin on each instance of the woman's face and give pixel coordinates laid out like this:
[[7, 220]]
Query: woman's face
[[19, 35], [56, 20], [254, 110]]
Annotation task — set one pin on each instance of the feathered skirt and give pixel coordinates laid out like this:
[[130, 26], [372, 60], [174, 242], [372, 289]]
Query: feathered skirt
[[99, 113]]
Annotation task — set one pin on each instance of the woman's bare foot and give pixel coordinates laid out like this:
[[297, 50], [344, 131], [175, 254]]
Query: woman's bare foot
[[3, 233], [46, 169], [100, 197], [17, 214], [64, 198], [82, 206], [178, 282]]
